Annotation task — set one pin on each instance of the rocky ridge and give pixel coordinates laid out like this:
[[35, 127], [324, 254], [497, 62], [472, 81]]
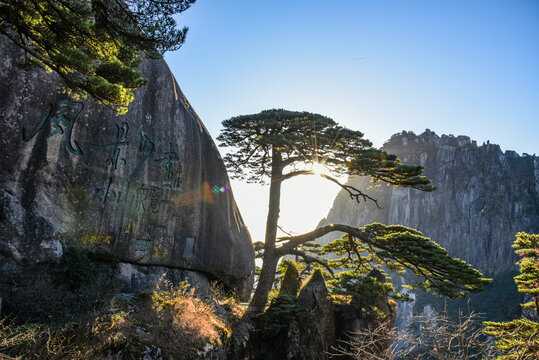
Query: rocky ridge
[[484, 197]]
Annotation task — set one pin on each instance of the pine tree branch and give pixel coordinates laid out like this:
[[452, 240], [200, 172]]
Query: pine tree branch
[[284, 231], [295, 241], [446, 280], [297, 173], [355, 193]]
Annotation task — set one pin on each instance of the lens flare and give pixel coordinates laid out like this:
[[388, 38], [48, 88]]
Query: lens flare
[[216, 189]]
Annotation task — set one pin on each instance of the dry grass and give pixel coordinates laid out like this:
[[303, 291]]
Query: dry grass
[[227, 301], [439, 337], [169, 322], [33, 341]]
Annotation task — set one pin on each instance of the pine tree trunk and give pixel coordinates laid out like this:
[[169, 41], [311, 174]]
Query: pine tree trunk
[[270, 260]]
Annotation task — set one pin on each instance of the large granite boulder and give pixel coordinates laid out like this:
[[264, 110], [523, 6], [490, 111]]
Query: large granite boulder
[[147, 191]]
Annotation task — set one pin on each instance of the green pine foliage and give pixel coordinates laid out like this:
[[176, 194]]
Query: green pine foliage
[[398, 248], [95, 46], [519, 338], [527, 246], [303, 137], [358, 286], [278, 145]]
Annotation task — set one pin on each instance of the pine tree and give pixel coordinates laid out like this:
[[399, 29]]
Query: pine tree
[[398, 248], [280, 145], [95, 46], [519, 338]]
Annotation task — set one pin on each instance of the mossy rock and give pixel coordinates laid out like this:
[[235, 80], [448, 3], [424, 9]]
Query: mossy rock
[[291, 282]]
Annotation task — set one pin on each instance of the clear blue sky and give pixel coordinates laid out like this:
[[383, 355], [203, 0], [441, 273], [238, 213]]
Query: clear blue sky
[[462, 67]]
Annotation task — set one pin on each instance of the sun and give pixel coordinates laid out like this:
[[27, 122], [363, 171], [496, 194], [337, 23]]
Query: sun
[[319, 169]]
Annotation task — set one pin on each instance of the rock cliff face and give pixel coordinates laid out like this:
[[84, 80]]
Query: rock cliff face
[[483, 198], [146, 191]]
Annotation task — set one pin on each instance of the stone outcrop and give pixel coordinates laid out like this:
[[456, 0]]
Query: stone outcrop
[[309, 326], [146, 192], [291, 282], [314, 297], [483, 198], [355, 318]]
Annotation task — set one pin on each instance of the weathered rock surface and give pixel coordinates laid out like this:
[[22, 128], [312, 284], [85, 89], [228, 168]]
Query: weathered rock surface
[[314, 297], [291, 282], [293, 327], [354, 318], [483, 198], [146, 191], [309, 326]]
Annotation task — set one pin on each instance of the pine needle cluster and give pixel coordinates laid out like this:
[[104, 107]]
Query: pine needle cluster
[[95, 46], [519, 338]]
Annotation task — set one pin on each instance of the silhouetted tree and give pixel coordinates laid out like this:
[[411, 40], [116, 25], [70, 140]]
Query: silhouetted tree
[[280, 144]]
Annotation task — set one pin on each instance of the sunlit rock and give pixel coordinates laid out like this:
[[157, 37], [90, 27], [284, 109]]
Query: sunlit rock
[[148, 188]]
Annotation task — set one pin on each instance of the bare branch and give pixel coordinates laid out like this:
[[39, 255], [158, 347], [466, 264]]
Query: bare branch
[[284, 231], [440, 337], [371, 342], [355, 194]]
